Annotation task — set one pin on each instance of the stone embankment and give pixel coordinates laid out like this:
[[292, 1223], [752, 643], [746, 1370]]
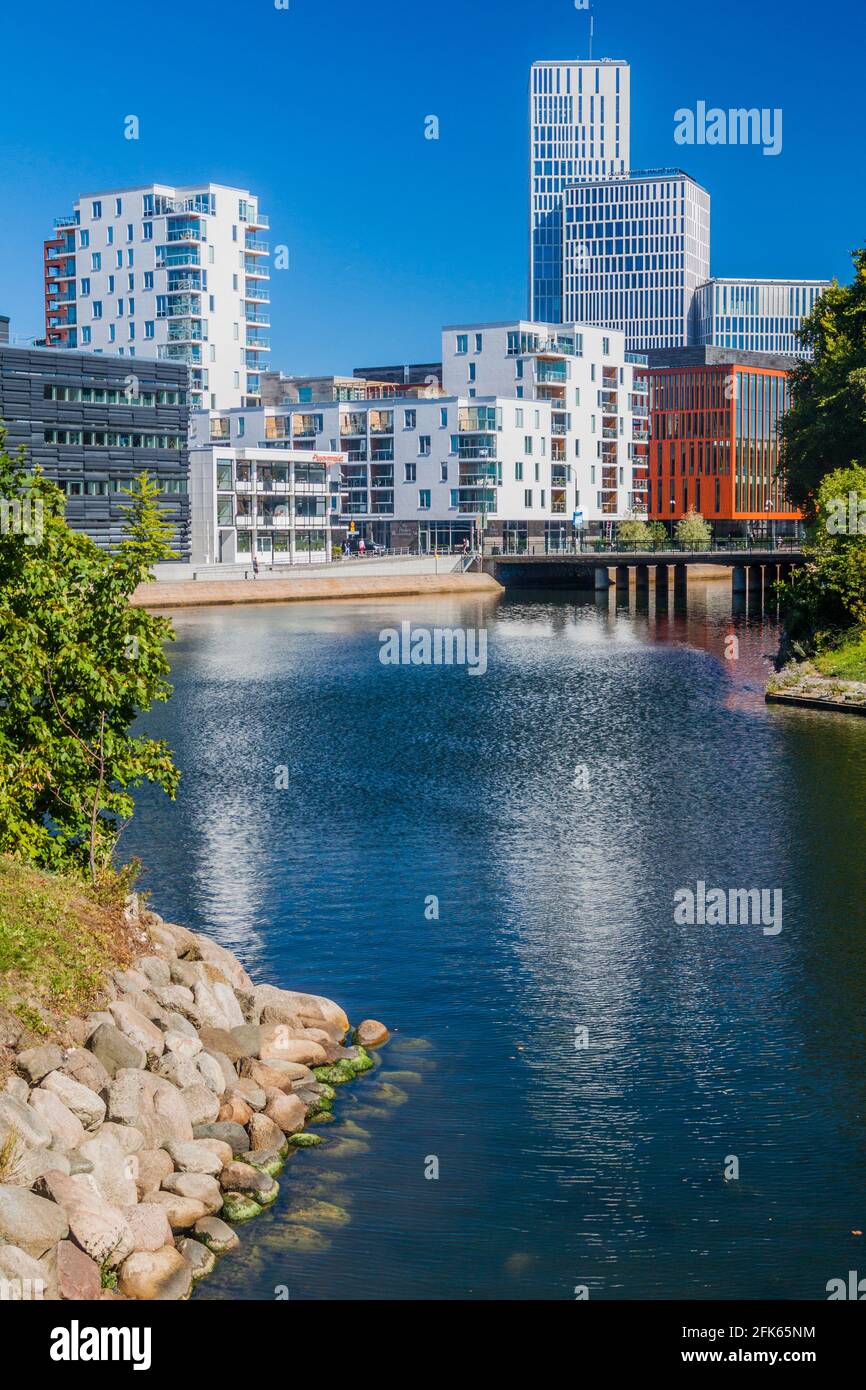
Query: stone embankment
[[203, 593], [127, 1158], [804, 687]]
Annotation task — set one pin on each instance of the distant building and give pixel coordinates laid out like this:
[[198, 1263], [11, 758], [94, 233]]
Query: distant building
[[177, 273], [94, 423], [278, 389], [579, 129], [412, 374], [4, 328], [715, 444], [754, 315], [635, 251]]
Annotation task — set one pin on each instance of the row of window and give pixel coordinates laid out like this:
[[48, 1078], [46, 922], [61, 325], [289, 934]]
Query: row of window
[[114, 439], [98, 395], [108, 487]]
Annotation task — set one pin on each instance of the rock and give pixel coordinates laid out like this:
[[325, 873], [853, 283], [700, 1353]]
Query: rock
[[232, 1134], [202, 1105], [149, 1225], [134, 1025], [177, 999], [243, 1088], [248, 1039], [155, 969], [112, 1171], [223, 1151], [146, 1005], [212, 1073], [130, 981], [221, 1041], [199, 1187], [218, 955], [217, 1006], [130, 1096], [197, 1256], [85, 1067], [287, 1112], [186, 943], [305, 1141], [159, 1275], [182, 1212], [79, 1164], [371, 1034], [150, 1168], [65, 1127], [187, 974], [239, 1206], [277, 1044], [313, 1212], [30, 1222], [28, 1126], [78, 1276], [357, 1059], [83, 1102], [265, 1133], [22, 1278], [11, 1029], [130, 1139], [182, 1043], [270, 1161], [267, 1076], [286, 1006], [235, 1110], [386, 1094], [115, 1051], [169, 1106], [180, 1071], [17, 1088], [193, 1157], [215, 1234], [102, 1231], [177, 1023], [293, 1237], [37, 1062], [243, 1177]]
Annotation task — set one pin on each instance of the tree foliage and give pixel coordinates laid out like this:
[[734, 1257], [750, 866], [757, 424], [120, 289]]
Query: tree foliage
[[825, 428], [692, 529], [78, 665], [826, 597]]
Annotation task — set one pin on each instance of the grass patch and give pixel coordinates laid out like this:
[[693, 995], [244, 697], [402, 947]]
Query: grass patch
[[57, 944], [846, 662]]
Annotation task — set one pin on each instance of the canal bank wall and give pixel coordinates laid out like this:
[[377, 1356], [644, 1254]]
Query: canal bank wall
[[198, 593]]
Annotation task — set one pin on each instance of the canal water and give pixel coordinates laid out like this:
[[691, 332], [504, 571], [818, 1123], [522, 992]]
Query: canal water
[[613, 1101]]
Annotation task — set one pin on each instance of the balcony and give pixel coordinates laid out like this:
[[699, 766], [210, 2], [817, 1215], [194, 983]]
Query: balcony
[[192, 232], [190, 355], [255, 291], [553, 373], [257, 340], [483, 447], [182, 282], [166, 259], [256, 268], [72, 219], [186, 331], [383, 454], [256, 248], [253, 316], [181, 307]]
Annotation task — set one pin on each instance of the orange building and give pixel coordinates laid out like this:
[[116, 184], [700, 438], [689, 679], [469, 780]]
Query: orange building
[[715, 444]]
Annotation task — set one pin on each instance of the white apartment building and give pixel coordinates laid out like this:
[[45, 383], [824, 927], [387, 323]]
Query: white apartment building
[[541, 428], [175, 273], [754, 315], [635, 252], [579, 115]]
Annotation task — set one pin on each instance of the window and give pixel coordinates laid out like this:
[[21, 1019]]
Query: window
[[479, 342], [85, 338], [118, 206], [130, 282], [96, 309], [455, 498], [410, 472], [147, 231], [85, 287], [527, 497], [424, 444], [129, 231], [96, 260], [518, 472], [119, 260], [148, 279], [424, 499], [527, 444], [110, 332], [471, 371], [84, 239], [131, 331], [109, 236], [241, 426], [443, 474], [443, 417], [130, 256], [96, 210], [519, 369], [518, 418], [410, 419], [120, 308], [462, 343], [605, 347], [148, 328]]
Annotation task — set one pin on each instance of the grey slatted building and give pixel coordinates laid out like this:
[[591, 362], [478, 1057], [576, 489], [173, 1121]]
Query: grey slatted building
[[94, 423]]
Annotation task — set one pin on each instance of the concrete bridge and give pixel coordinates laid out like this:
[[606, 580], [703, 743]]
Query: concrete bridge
[[753, 570]]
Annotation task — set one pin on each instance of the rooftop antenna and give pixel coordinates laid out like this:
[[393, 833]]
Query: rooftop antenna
[[591, 31]]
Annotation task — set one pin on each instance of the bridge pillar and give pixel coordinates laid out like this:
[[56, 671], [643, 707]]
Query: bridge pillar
[[641, 577], [602, 578], [739, 582], [771, 574], [756, 578], [622, 579], [681, 582], [661, 586]]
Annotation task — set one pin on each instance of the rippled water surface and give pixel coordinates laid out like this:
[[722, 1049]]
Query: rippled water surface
[[558, 1165]]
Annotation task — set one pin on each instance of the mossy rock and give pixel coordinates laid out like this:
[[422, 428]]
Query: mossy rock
[[305, 1141], [270, 1161], [353, 1131], [314, 1212], [269, 1195], [347, 1148], [401, 1078], [411, 1044], [321, 1117], [337, 1074], [303, 1238], [386, 1094], [327, 1096], [239, 1206], [359, 1061]]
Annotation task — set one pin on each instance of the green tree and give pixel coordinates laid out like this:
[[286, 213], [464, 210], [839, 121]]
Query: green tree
[[658, 531], [78, 664], [692, 529], [634, 531], [825, 428], [826, 597], [148, 534]]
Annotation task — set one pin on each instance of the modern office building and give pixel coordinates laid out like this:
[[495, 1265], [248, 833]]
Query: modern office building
[[180, 273], [754, 315], [579, 116], [93, 423], [715, 439], [4, 328], [266, 501], [635, 251]]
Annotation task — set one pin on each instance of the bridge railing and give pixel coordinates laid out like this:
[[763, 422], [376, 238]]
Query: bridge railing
[[596, 545]]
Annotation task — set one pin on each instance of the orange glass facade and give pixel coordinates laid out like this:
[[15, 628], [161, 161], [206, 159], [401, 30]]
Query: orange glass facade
[[715, 443]]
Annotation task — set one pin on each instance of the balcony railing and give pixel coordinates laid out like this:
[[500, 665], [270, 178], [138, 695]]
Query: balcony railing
[[255, 291]]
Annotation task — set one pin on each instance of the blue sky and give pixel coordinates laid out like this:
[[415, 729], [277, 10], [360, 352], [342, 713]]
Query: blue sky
[[320, 109]]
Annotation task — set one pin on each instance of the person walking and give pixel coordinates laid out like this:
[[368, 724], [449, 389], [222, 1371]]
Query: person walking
[[255, 565]]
